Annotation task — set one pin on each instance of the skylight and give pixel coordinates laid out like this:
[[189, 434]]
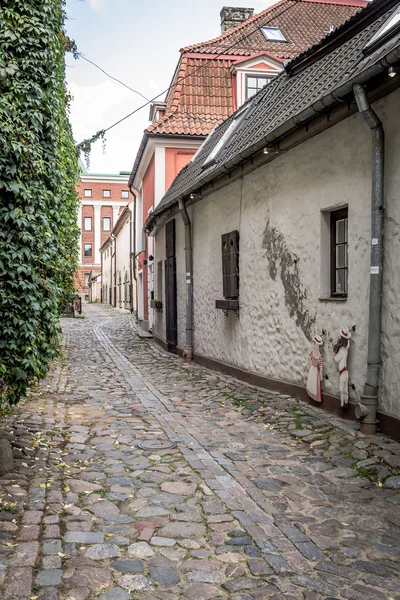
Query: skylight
[[273, 34], [225, 136], [388, 29]]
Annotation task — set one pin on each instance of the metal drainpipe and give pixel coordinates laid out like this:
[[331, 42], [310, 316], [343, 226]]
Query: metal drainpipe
[[188, 351], [366, 409]]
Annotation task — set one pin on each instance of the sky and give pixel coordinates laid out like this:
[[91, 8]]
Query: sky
[[138, 42]]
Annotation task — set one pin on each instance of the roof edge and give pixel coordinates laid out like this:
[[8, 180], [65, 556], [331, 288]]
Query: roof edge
[[331, 99], [340, 35]]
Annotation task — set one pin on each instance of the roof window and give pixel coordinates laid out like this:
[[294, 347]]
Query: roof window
[[388, 29], [273, 34], [226, 136]]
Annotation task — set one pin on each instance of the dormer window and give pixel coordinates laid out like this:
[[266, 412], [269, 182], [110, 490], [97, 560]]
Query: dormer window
[[387, 30], [255, 83], [273, 34]]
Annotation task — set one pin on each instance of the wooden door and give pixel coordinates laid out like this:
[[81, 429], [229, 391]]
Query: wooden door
[[171, 312]]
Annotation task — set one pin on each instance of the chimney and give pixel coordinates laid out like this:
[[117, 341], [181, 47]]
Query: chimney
[[232, 17]]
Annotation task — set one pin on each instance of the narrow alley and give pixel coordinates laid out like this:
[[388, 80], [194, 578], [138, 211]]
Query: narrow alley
[[141, 476]]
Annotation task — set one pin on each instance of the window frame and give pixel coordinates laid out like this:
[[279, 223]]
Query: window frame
[[255, 76], [125, 192], [230, 264], [336, 216], [86, 278], [84, 251], [268, 39], [225, 137], [84, 224], [87, 195], [108, 195], [109, 219]]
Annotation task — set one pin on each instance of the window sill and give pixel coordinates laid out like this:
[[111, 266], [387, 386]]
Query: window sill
[[332, 299], [227, 304]]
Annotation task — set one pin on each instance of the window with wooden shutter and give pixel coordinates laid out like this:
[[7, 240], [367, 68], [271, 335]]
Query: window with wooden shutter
[[230, 264]]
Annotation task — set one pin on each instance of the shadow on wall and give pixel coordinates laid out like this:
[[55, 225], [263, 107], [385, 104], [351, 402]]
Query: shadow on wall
[[285, 263]]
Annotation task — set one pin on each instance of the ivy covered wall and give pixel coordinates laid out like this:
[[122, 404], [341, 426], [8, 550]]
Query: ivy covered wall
[[38, 200]]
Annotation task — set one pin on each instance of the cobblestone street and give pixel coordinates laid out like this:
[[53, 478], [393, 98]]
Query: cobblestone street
[[240, 493]]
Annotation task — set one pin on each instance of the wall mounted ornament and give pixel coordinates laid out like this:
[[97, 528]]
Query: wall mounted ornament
[[314, 380], [341, 350]]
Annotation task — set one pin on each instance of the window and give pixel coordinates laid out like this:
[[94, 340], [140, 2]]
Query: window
[[106, 223], [106, 193], [124, 194], [273, 34], [87, 193], [387, 30], [86, 280], [255, 84], [87, 224], [230, 264], [226, 136], [339, 253], [87, 250]]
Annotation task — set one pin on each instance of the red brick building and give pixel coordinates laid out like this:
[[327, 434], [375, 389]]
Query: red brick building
[[212, 79], [103, 197]]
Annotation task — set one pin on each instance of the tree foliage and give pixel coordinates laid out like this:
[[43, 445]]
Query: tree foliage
[[38, 199]]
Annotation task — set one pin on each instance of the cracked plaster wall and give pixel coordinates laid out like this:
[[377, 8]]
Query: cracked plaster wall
[[277, 210]]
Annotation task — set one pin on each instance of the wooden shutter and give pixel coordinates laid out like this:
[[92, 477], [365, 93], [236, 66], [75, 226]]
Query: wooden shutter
[[170, 239], [230, 264]]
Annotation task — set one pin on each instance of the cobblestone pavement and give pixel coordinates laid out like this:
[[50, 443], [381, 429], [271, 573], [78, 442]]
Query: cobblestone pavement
[[262, 497]]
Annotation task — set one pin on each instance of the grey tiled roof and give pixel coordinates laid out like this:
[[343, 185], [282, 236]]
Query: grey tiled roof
[[275, 109]]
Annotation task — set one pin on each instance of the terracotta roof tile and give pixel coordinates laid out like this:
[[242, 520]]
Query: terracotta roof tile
[[303, 23], [284, 102], [204, 97], [200, 101]]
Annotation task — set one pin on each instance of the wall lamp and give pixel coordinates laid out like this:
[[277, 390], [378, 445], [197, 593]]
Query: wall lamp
[[270, 150], [194, 195], [392, 71]]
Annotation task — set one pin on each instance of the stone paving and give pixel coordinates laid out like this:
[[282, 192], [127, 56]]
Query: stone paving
[[260, 496]]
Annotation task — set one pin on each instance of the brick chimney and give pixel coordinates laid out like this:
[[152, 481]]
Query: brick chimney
[[232, 16]]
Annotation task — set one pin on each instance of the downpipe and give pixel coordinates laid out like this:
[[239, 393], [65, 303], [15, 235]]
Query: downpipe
[[188, 350], [367, 407]]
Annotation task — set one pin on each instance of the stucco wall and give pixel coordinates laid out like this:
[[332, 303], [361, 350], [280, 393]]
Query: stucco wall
[[122, 244], [106, 275], [283, 243]]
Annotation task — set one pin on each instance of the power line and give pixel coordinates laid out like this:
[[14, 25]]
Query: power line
[[110, 76], [179, 80]]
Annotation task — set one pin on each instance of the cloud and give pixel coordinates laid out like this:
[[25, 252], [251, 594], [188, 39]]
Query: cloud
[[98, 4], [96, 106]]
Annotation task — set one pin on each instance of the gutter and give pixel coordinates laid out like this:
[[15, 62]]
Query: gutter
[[319, 106], [366, 409], [188, 350]]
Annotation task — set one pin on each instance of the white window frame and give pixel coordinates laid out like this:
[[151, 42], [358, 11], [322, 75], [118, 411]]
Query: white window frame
[[109, 220], [226, 136], [106, 193], [87, 193], [91, 251], [255, 76], [392, 23], [273, 39], [124, 194], [84, 224]]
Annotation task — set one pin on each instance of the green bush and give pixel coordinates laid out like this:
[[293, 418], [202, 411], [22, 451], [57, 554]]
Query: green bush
[[38, 199]]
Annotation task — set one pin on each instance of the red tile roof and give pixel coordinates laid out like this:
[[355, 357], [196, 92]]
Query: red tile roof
[[201, 94], [200, 101], [303, 23]]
